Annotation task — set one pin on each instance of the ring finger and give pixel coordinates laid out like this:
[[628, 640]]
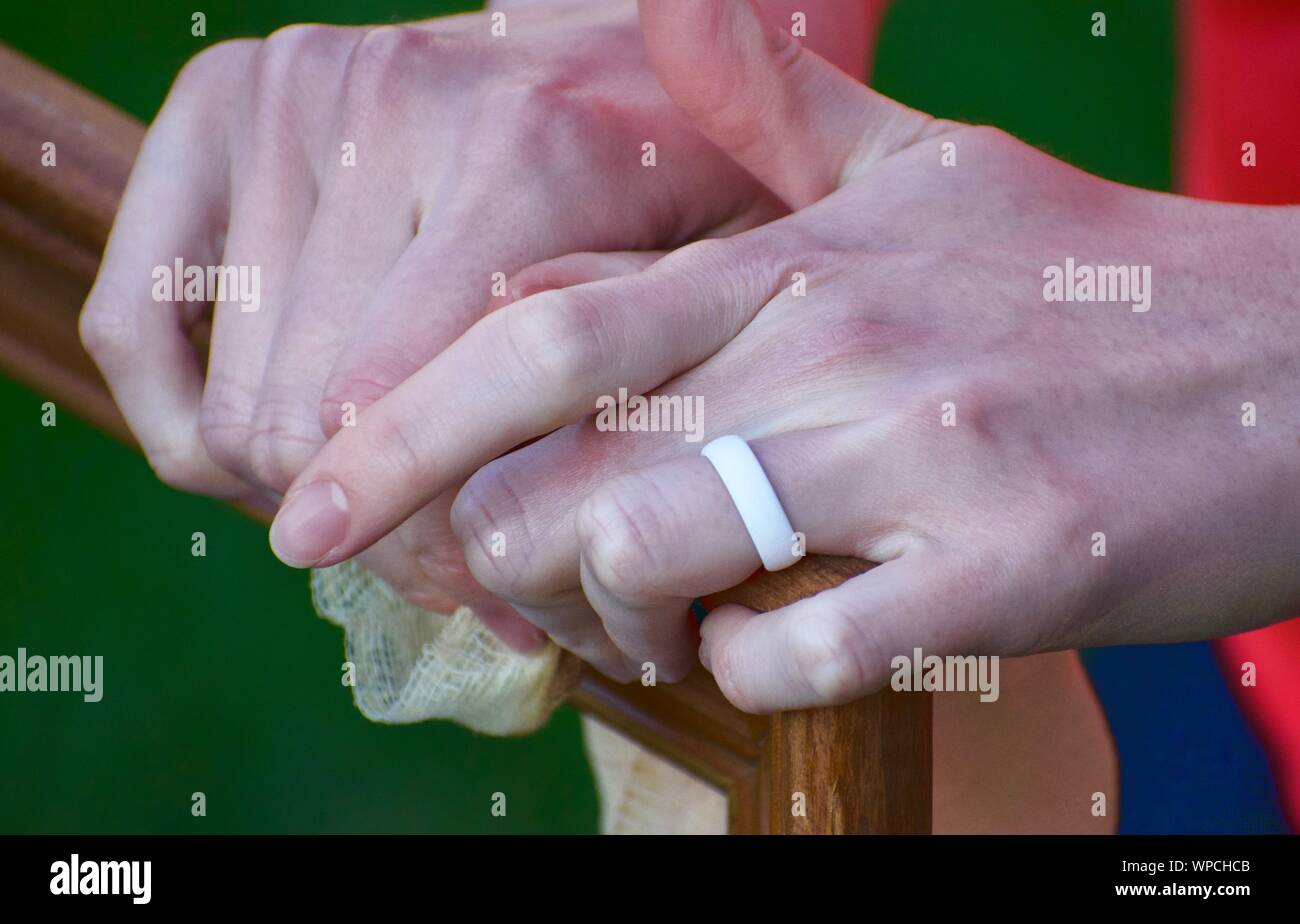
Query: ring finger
[[651, 541]]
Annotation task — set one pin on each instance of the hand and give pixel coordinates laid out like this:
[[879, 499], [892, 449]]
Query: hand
[[925, 294], [377, 179]]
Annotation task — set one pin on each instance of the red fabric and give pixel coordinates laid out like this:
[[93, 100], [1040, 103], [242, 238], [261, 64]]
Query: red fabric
[[1241, 82]]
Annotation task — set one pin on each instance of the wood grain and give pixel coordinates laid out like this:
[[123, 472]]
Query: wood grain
[[54, 221], [860, 768]]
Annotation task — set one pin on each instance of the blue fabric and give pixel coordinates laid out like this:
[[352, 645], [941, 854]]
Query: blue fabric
[[1189, 763]]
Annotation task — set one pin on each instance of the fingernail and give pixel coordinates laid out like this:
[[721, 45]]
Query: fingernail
[[310, 525]]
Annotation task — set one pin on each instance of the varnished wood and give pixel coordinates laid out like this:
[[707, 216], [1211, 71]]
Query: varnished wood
[[860, 768], [864, 766], [53, 224]]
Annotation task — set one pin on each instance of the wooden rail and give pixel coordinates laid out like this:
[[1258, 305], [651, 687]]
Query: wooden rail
[[862, 768]]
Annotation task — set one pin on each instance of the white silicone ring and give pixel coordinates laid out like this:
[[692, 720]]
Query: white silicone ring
[[757, 503]]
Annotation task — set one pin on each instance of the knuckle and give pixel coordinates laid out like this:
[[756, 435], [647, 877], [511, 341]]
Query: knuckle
[[541, 115], [536, 124], [381, 61], [561, 338], [279, 446], [395, 443], [386, 45], [106, 330], [623, 536], [718, 260], [704, 255], [286, 75], [742, 278], [225, 423], [184, 468], [285, 50], [346, 394], [829, 652], [979, 406], [539, 277], [216, 65], [985, 138], [487, 517], [973, 413]]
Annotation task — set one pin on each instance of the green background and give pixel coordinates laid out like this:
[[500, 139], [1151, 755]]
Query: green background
[[219, 677]]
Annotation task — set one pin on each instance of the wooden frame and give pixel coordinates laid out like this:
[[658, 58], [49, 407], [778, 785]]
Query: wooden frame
[[862, 768]]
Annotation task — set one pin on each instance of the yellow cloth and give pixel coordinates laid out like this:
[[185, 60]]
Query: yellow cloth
[[412, 665]]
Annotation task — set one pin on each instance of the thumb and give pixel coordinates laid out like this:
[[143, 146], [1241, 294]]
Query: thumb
[[790, 117]]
